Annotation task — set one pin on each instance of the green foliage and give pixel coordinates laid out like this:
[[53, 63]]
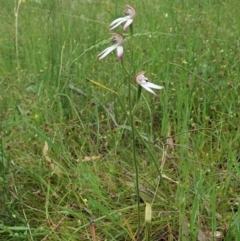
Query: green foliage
[[66, 159]]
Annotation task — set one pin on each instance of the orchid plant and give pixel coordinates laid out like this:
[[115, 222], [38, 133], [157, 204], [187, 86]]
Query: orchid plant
[[139, 79]]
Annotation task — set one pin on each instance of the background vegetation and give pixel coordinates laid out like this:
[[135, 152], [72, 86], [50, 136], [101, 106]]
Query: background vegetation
[[66, 160]]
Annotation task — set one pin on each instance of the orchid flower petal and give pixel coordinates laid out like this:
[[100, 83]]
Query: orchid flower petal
[[127, 24], [115, 23], [122, 19], [107, 51], [130, 10], [119, 52], [118, 38], [148, 89], [151, 85]]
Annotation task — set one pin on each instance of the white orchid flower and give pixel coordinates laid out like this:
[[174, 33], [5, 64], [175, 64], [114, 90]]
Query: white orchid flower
[[143, 81], [118, 39], [130, 12]]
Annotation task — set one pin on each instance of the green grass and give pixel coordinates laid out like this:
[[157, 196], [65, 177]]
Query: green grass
[[190, 131]]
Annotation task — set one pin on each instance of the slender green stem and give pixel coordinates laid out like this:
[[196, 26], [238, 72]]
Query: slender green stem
[[61, 65], [16, 10], [157, 167], [133, 133], [131, 32], [148, 229], [134, 148], [148, 149]]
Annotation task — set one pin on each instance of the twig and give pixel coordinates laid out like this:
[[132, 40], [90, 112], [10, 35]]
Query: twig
[[75, 89], [93, 231]]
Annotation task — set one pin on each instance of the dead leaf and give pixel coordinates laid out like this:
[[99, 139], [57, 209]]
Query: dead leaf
[[45, 148], [52, 166], [47, 158], [170, 142], [202, 236], [129, 229], [91, 158], [169, 179]]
